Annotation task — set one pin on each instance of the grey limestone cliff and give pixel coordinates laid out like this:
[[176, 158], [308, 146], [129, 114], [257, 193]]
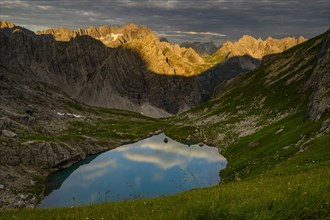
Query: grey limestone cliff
[[95, 74]]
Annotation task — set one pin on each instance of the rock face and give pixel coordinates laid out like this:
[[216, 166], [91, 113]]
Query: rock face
[[319, 81], [97, 74], [8, 133], [6, 24], [203, 49], [256, 48], [159, 56]]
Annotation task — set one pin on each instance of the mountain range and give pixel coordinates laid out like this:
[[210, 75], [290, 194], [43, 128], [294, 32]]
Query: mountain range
[[159, 57], [256, 48], [119, 67]]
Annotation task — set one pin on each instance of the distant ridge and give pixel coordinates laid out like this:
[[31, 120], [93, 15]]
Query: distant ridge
[[203, 49], [256, 48]]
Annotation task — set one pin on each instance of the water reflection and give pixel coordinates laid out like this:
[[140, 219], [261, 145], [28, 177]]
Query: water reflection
[[167, 155], [58, 178], [143, 169]]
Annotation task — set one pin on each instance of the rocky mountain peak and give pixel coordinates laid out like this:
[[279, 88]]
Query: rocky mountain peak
[[301, 39], [9, 28], [130, 26], [6, 24], [247, 38], [269, 38]]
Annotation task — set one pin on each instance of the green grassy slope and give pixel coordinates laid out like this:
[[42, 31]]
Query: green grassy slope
[[296, 196], [110, 127], [278, 159]]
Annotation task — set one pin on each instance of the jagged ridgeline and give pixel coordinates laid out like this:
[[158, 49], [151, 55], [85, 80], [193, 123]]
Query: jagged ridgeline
[[159, 57], [256, 48], [124, 67]]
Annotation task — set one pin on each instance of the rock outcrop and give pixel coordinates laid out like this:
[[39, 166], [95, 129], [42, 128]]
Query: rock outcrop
[[6, 24], [319, 81]]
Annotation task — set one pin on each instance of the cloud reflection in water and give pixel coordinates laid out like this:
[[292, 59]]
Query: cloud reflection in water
[[144, 169], [168, 155]]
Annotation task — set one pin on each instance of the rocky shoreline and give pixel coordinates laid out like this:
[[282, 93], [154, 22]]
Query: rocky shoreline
[[43, 130], [23, 186]]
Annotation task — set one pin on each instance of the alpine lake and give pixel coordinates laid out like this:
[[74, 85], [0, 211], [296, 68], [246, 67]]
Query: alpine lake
[[155, 166]]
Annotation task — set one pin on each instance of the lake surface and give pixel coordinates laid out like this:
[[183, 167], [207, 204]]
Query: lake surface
[[148, 168]]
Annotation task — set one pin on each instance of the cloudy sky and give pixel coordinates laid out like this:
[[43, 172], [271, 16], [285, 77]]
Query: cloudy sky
[[178, 20]]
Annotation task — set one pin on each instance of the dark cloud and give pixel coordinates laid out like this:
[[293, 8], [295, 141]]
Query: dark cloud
[[179, 20]]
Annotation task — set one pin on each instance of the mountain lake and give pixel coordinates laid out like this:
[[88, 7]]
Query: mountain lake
[[152, 167]]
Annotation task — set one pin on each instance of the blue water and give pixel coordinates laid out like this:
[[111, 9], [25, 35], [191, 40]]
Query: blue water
[[144, 169]]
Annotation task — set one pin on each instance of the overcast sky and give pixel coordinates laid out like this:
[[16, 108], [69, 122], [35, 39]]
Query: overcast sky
[[178, 20]]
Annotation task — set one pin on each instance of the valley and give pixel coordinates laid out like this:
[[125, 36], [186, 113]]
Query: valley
[[69, 94]]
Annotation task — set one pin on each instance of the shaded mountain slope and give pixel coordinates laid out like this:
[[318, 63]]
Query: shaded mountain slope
[[203, 49], [213, 79], [96, 74]]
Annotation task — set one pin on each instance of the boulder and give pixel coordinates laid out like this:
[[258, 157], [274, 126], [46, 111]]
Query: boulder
[[253, 144], [8, 133]]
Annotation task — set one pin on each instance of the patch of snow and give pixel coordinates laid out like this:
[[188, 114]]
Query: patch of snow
[[74, 115], [61, 114], [69, 114], [113, 36]]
